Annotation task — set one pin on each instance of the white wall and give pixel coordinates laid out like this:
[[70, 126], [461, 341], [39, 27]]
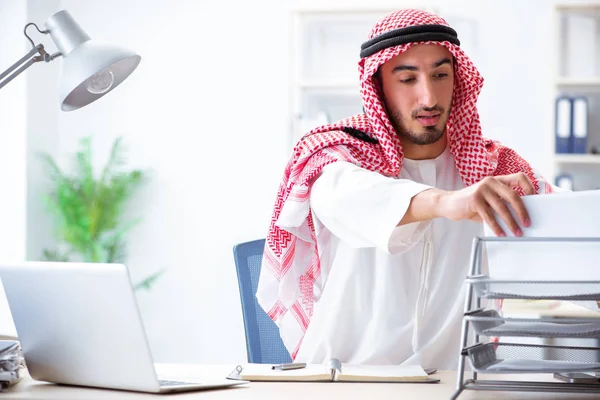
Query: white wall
[[207, 112], [13, 136], [42, 81], [516, 62]]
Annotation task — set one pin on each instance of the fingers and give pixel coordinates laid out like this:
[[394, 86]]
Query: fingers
[[494, 195], [486, 214], [526, 184], [519, 179], [493, 198], [511, 197]]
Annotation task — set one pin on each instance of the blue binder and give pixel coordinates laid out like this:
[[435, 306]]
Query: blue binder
[[579, 130], [563, 124]]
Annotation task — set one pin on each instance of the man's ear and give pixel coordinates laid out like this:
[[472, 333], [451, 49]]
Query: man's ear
[[377, 78], [378, 74]]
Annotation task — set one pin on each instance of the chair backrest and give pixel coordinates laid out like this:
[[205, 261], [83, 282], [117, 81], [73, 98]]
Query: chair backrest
[[263, 343]]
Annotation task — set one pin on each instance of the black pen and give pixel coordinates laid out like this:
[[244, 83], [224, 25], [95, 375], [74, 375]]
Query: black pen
[[286, 367]]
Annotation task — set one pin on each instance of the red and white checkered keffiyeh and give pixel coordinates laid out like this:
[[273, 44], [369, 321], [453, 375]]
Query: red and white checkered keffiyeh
[[290, 280]]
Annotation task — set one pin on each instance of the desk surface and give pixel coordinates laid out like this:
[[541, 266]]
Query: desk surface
[[30, 389]]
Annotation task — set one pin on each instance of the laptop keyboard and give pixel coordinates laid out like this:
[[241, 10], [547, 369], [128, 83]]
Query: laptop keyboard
[[163, 382]]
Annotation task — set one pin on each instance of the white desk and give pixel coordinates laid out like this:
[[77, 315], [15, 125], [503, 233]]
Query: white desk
[[30, 389]]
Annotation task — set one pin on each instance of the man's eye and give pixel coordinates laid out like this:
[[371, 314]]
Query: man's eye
[[442, 75], [407, 80]]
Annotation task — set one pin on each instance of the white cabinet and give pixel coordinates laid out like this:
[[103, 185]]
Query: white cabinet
[[577, 71], [324, 82]]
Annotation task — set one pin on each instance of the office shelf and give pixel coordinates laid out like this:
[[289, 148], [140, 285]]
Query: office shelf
[[591, 82], [577, 158]]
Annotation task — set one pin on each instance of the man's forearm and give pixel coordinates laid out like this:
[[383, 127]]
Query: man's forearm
[[424, 206]]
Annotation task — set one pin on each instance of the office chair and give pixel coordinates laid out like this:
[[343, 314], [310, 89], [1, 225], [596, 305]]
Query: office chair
[[263, 343]]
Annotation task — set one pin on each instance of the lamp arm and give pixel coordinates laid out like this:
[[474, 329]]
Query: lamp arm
[[45, 55], [21, 65], [36, 54]]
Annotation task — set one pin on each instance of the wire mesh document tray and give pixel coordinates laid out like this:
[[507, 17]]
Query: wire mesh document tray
[[490, 323], [534, 290], [532, 358], [516, 358]]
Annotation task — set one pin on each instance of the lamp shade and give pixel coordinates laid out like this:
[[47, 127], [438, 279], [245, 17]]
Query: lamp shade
[[91, 69]]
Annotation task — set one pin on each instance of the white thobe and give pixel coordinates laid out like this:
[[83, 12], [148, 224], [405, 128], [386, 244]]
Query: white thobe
[[392, 295]]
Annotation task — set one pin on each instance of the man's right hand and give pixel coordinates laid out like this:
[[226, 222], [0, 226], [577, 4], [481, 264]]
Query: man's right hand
[[492, 194]]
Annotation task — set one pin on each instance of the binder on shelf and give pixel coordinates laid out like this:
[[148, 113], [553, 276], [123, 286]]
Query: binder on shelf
[[580, 125], [564, 181], [563, 124]]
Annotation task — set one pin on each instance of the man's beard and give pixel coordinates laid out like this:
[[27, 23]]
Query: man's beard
[[429, 134]]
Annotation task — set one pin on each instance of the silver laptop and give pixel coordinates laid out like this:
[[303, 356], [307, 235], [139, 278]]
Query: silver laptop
[[79, 324]]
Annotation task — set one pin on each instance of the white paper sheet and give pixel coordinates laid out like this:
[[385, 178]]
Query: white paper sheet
[[533, 366], [565, 214], [546, 329], [383, 371]]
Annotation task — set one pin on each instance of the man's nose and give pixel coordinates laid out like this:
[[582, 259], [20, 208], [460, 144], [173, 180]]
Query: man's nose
[[427, 96]]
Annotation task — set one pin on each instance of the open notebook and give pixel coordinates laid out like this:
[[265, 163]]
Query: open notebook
[[334, 371]]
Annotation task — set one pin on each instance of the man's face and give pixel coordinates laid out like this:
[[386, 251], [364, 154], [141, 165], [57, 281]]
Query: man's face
[[417, 87]]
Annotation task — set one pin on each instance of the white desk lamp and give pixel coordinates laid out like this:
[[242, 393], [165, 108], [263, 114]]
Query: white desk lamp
[[90, 68]]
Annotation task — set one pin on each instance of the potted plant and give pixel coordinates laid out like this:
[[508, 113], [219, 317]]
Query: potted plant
[[88, 210]]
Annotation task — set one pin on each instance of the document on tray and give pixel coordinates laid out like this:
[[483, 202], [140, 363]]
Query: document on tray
[[543, 329], [540, 366], [563, 214]]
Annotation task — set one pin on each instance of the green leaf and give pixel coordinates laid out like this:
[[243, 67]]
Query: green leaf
[[114, 248], [149, 281], [54, 171], [88, 212], [54, 255], [116, 159]]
